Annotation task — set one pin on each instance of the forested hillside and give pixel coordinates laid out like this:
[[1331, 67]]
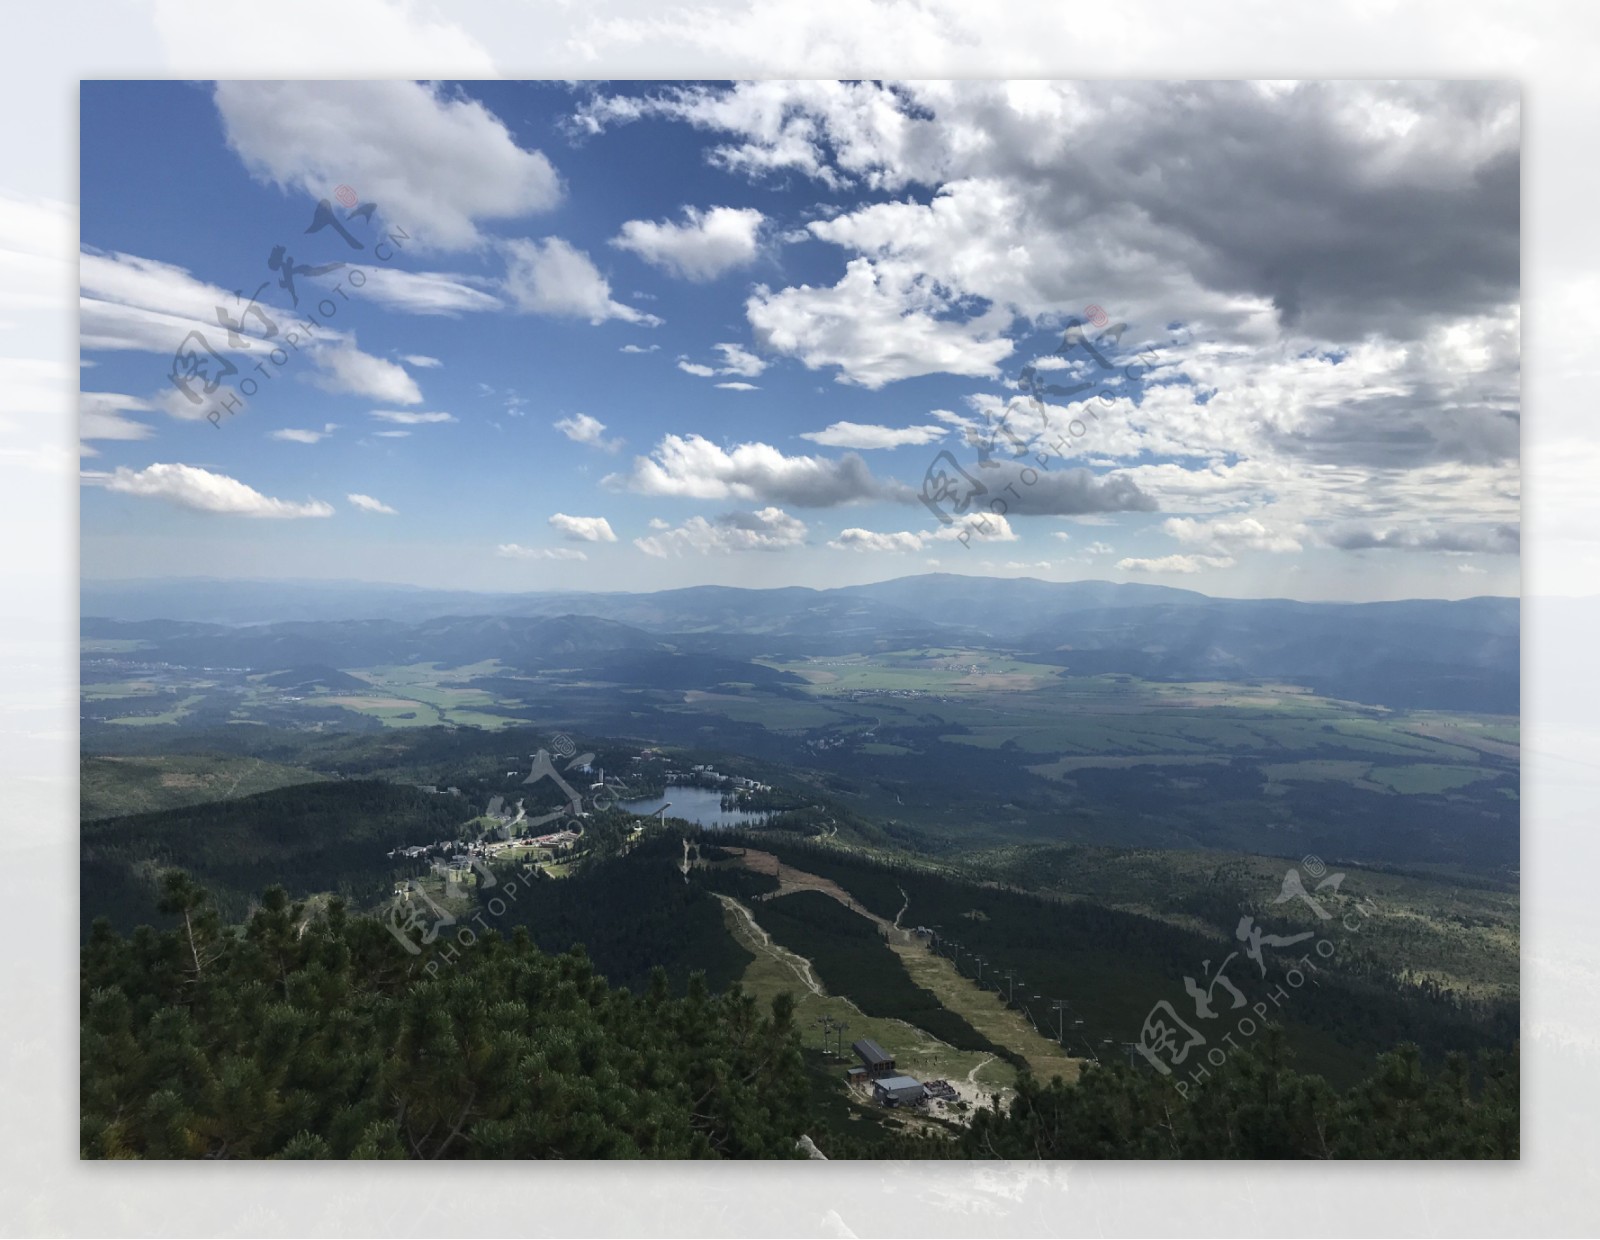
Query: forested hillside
[[301, 1035]]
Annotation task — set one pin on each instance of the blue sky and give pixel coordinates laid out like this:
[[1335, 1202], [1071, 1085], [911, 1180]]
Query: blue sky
[[644, 336]]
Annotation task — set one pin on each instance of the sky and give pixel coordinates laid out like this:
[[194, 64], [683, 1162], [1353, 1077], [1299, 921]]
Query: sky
[[1254, 339]]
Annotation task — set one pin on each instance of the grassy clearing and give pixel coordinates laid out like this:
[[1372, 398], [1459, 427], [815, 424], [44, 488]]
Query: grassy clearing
[[178, 711], [1424, 777], [775, 970], [986, 1012]]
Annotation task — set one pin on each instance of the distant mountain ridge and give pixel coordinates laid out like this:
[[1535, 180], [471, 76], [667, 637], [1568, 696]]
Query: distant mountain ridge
[[1447, 654]]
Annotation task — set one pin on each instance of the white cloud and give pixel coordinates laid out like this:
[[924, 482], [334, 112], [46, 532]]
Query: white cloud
[[100, 416], [133, 303], [426, 292], [1353, 387], [696, 468], [583, 529], [1223, 536], [856, 539], [435, 163], [1100, 548], [770, 529], [551, 277], [584, 429], [188, 486], [347, 370], [638, 348], [367, 504], [403, 417], [421, 360], [866, 436], [706, 245], [392, 434], [971, 530], [512, 551], [737, 360], [295, 435], [1176, 564], [875, 332], [977, 527]]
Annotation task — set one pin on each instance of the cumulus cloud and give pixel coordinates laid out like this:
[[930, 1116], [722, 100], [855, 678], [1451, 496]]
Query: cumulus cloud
[[1223, 536], [769, 529], [511, 551], [699, 369], [367, 504], [200, 490], [436, 163], [405, 417], [696, 468], [581, 428], [968, 530], [1411, 187], [704, 246], [639, 348], [583, 529], [874, 331], [1338, 351], [1175, 564], [857, 539], [553, 277], [420, 360], [739, 387], [866, 436]]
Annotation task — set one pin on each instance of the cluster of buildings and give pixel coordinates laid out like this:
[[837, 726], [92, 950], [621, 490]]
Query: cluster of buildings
[[416, 851], [889, 1087], [706, 774]]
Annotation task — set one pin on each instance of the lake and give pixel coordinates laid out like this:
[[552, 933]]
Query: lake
[[698, 805]]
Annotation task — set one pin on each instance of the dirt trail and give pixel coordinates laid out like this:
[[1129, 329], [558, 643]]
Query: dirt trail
[[762, 941]]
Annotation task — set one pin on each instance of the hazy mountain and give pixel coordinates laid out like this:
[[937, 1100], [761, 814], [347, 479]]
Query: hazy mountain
[[1426, 652]]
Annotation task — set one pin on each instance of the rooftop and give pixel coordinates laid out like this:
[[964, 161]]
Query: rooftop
[[871, 1052], [899, 1082]]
